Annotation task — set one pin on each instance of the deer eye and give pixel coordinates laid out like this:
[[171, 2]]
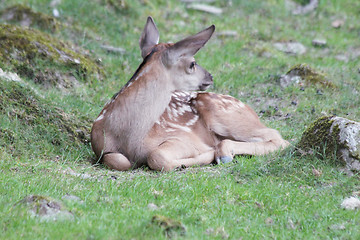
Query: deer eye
[[192, 65]]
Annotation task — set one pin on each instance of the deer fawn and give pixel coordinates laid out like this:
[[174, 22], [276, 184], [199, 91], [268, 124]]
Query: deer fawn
[[153, 120]]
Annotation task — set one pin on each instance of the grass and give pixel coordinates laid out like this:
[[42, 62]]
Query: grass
[[276, 196]]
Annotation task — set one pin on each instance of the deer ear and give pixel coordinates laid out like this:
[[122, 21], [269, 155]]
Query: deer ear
[[149, 37], [187, 47]]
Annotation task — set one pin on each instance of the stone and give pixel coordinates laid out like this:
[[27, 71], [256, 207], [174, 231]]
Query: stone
[[332, 136], [171, 227], [152, 206], [294, 48], [337, 23], [206, 8], [351, 203], [46, 208], [303, 72], [319, 42], [311, 6], [112, 49]]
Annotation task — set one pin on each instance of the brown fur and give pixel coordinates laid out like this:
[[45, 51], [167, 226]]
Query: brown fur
[[153, 121]]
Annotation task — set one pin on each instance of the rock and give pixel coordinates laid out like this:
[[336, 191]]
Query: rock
[[288, 80], [294, 48], [152, 206], [319, 42], [342, 57], [338, 227], [220, 231], [71, 198], [46, 208], [56, 13], [112, 49], [303, 72], [44, 59], [351, 203], [337, 23], [205, 8], [171, 227], [311, 6], [331, 135]]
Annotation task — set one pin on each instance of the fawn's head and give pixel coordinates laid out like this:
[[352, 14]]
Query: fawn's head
[[177, 59]]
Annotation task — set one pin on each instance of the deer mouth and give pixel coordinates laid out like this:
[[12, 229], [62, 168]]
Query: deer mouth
[[205, 86], [208, 81]]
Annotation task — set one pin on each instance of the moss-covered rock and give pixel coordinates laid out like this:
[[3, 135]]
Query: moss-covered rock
[[332, 136], [172, 228], [117, 5], [29, 123], [46, 208], [42, 58], [303, 72], [26, 17]]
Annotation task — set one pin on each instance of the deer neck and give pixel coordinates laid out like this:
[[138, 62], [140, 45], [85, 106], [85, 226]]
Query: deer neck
[[138, 106]]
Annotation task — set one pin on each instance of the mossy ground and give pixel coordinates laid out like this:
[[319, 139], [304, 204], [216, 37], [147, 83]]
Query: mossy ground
[[31, 125], [42, 58], [274, 196], [26, 16]]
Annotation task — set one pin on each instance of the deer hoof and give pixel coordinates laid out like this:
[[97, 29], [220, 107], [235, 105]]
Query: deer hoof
[[224, 159]]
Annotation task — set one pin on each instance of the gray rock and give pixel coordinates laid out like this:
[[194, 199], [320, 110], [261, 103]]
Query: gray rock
[[319, 42], [294, 48], [46, 209], [311, 6], [112, 49], [71, 198], [331, 135], [152, 206], [206, 8], [351, 203], [287, 80]]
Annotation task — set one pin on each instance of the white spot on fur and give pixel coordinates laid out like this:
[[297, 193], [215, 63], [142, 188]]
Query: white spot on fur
[[200, 103], [101, 115], [192, 121], [183, 108], [240, 104], [177, 126], [170, 130]]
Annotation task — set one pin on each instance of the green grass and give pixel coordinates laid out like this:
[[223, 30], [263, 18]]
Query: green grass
[[275, 196]]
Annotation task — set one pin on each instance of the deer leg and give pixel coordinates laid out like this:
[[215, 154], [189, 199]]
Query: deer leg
[[116, 161], [174, 153], [269, 141]]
